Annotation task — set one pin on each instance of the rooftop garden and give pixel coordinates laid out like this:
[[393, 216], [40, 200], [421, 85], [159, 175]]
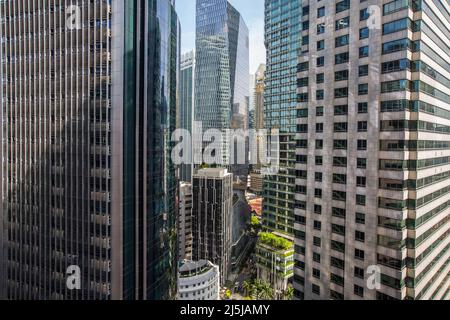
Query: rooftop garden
[[275, 241]]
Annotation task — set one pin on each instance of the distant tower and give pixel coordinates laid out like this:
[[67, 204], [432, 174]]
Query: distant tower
[[212, 216], [222, 75]]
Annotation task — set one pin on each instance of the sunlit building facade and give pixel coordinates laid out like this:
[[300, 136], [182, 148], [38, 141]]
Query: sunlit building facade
[[373, 184]]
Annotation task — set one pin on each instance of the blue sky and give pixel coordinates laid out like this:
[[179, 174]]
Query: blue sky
[[251, 10]]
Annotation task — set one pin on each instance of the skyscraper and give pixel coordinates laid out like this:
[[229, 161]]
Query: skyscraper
[[186, 114], [185, 222], [283, 43], [373, 188], [256, 178], [88, 107], [212, 218], [222, 74]]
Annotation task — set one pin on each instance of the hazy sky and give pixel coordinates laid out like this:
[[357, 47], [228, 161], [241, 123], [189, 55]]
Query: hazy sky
[[251, 10]]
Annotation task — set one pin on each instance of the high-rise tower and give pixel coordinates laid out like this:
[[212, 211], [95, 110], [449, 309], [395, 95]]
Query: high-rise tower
[[88, 107], [222, 75], [373, 181]]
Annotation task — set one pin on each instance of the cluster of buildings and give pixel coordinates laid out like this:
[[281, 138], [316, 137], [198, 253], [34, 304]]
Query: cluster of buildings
[[358, 91]]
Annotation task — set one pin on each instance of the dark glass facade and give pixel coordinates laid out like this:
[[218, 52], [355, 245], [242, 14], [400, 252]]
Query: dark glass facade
[[92, 185]]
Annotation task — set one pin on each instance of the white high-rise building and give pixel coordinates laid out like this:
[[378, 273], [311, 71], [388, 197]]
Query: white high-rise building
[[373, 151]]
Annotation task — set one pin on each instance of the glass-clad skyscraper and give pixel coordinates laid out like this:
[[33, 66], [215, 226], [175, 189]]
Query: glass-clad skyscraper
[[222, 72], [283, 43], [88, 107], [186, 113]]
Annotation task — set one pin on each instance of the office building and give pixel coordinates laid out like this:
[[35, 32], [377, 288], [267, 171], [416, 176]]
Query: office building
[[222, 79], [212, 215], [186, 114], [373, 187], [256, 178], [198, 281], [87, 114], [185, 222], [283, 43]]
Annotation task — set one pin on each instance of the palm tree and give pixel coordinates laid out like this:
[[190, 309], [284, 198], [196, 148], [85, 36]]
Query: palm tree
[[288, 294], [266, 292]]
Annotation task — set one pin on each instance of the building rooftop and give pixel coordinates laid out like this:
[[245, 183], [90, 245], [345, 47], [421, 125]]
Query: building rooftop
[[213, 173]]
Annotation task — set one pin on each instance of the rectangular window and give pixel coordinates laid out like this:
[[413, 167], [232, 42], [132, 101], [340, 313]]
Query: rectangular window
[[320, 61], [341, 75], [363, 89], [362, 107], [339, 162], [363, 33], [341, 58], [342, 6], [364, 51], [320, 45], [340, 110], [320, 12], [342, 23], [340, 144], [364, 14], [363, 71], [320, 78], [341, 93], [341, 41]]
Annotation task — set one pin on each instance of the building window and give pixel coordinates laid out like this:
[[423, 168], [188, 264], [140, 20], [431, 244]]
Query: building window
[[359, 273], [362, 145], [364, 51], [340, 110], [316, 257], [316, 289], [360, 236], [320, 94], [321, 28], [361, 182], [360, 218], [342, 6], [320, 78], [362, 126], [341, 75], [321, 12], [317, 225], [363, 89], [360, 200], [338, 246], [362, 107], [320, 61], [317, 242], [341, 41], [362, 163], [342, 23], [341, 58], [359, 254], [341, 93], [363, 33], [319, 111], [363, 70], [359, 291], [364, 14], [316, 274]]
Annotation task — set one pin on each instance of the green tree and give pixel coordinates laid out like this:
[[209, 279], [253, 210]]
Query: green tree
[[248, 288], [288, 294]]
